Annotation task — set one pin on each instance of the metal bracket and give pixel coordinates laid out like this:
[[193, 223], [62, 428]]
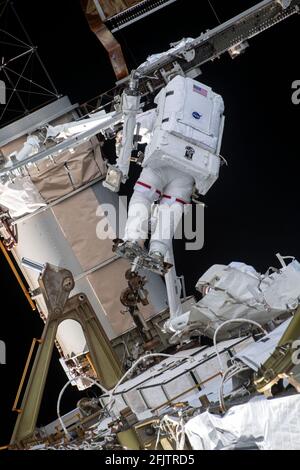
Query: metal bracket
[[168, 73]]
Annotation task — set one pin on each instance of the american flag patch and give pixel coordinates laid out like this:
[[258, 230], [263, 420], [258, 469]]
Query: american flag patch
[[200, 90]]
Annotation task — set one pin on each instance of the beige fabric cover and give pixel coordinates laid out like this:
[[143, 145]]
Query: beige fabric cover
[[77, 219], [14, 146], [67, 171]]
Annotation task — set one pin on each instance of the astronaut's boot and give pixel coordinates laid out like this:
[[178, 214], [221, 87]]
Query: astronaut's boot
[[158, 257], [139, 257], [156, 263], [128, 249]]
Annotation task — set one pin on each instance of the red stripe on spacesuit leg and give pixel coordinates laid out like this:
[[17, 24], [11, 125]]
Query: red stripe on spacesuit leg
[[144, 184], [177, 199], [181, 200], [147, 186]]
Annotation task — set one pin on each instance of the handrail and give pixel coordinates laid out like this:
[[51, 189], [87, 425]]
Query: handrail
[[17, 276], [34, 341]]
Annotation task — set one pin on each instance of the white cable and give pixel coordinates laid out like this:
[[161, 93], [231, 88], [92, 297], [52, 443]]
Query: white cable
[[68, 436], [157, 439], [228, 376], [175, 430], [282, 258], [146, 356], [235, 320]]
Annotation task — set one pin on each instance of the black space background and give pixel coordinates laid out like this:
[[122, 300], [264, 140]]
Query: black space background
[[252, 210]]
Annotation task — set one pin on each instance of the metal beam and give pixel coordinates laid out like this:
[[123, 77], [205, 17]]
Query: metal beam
[[135, 13], [213, 43]]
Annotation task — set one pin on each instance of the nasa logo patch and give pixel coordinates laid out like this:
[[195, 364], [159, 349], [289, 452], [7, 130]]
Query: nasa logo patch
[[196, 115]]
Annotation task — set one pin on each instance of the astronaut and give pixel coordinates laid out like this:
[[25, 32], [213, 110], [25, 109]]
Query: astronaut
[[183, 135]]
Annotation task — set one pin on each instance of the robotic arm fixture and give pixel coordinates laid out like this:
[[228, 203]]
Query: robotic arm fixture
[[130, 108]]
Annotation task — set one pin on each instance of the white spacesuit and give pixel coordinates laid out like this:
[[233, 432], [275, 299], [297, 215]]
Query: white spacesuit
[[174, 189], [184, 137]]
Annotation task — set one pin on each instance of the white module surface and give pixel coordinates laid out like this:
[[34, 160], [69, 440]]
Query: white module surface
[[177, 376]]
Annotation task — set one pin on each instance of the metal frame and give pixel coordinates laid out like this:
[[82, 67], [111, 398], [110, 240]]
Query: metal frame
[[29, 54], [17, 276], [213, 43], [135, 13]]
